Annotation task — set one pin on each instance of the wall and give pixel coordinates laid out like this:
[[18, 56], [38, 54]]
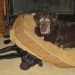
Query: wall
[[60, 6]]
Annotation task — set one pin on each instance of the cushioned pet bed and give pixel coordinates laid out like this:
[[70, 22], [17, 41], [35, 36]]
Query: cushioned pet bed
[[23, 35]]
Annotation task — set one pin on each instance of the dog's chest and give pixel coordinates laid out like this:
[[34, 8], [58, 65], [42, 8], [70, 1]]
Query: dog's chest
[[51, 37]]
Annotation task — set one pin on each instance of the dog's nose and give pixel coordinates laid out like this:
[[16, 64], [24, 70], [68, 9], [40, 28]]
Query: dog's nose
[[43, 28]]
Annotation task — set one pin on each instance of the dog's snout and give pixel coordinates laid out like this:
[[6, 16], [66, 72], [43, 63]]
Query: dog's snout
[[43, 28]]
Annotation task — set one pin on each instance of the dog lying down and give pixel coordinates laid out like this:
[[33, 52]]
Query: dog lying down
[[49, 28]]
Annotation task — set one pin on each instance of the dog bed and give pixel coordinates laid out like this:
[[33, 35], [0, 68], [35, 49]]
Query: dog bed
[[23, 35]]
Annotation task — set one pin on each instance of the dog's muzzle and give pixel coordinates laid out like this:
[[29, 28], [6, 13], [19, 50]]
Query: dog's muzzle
[[45, 29]]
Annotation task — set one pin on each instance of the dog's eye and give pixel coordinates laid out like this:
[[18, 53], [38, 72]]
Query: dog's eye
[[41, 19], [46, 19]]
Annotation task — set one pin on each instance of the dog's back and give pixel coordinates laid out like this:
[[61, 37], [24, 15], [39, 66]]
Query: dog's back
[[69, 36]]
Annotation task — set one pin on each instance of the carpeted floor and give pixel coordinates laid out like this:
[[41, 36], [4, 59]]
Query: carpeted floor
[[11, 67]]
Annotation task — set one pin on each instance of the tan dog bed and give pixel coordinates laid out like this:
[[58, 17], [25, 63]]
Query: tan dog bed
[[24, 36]]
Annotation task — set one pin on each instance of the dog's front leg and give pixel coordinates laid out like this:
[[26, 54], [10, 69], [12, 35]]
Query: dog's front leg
[[59, 40]]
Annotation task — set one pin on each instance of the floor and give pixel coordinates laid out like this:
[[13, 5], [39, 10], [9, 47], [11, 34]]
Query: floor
[[11, 67]]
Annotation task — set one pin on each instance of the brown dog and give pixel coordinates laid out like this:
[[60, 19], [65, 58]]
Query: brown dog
[[56, 31]]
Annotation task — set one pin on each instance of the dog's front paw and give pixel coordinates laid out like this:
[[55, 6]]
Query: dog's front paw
[[59, 45]]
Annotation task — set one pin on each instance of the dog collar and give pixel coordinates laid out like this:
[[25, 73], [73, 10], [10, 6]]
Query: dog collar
[[42, 36]]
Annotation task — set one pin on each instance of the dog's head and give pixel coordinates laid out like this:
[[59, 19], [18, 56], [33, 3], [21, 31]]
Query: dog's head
[[46, 22]]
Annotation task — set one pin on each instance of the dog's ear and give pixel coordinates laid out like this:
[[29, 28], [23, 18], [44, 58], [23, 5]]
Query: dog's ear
[[39, 14], [54, 16], [36, 18]]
